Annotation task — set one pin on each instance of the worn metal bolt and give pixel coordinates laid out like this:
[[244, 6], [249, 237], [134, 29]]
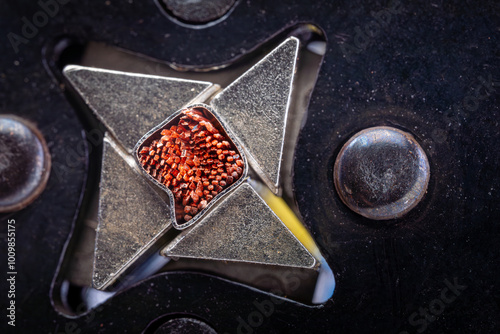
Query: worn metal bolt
[[381, 173], [198, 12], [24, 163], [185, 326]]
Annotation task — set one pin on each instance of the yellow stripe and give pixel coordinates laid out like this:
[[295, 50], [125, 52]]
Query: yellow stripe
[[288, 217]]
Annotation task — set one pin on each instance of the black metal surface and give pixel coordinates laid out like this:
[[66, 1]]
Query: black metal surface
[[24, 163], [432, 69]]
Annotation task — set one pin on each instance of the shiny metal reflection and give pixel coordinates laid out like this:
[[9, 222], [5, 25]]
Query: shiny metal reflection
[[255, 106]]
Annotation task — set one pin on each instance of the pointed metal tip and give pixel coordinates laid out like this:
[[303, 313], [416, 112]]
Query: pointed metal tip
[[73, 68], [255, 107], [242, 228], [130, 104]]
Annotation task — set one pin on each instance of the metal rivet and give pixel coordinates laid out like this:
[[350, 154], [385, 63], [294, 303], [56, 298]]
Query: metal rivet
[[197, 12], [381, 173], [24, 163]]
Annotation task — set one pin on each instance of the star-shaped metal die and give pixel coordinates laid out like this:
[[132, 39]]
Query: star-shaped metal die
[[179, 176]]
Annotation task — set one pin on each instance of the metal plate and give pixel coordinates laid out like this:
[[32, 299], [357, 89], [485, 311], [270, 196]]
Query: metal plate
[[255, 107], [130, 104]]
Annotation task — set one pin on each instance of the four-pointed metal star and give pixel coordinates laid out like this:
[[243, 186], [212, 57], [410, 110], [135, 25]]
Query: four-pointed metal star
[[135, 214]]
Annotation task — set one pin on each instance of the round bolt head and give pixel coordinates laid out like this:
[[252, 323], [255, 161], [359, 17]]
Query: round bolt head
[[197, 12], [381, 173], [24, 163]]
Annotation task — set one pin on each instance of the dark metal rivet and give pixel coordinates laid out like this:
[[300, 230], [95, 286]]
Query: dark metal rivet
[[24, 163], [381, 173], [185, 326], [197, 12]]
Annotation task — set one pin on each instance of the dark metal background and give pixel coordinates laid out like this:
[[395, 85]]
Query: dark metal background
[[427, 60]]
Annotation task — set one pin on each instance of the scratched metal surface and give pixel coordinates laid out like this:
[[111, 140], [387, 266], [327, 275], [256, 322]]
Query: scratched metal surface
[[255, 107], [242, 228], [128, 104], [122, 235]]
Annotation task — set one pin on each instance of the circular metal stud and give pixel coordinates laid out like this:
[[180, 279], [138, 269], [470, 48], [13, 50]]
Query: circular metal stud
[[381, 173], [24, 163], [185, 326], [197, 13]]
